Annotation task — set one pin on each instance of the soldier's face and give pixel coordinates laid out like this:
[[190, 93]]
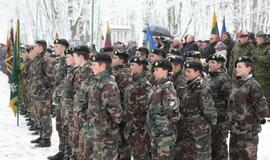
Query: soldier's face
[[77, 58], [244, 39], [117, 61], [160, 73], [242, 70], [176, 68], [59, 49], [260, 40], [37, 49], [214, 66], [98, 67], [191, 73], [135, 68], [70, 60]]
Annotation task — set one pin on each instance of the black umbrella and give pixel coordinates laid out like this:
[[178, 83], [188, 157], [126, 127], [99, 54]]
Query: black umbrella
[[159, 31]]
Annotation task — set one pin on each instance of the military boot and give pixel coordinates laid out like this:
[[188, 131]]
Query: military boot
[[58, 156], [36, 140], [45, 142]]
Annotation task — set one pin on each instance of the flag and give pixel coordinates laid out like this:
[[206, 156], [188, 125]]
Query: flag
[[223, 30], [214, 30], [9, 52], [108, 40], [149, 41], [14, 83]]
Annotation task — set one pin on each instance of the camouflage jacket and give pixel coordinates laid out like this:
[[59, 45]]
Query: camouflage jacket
[[69, 88], [221, 86], [238, 51], [262, 65], [136, 101], [84, 72], [42, 77], [197, 105], [247, 106], [104, 107], [122, 77], [163, 111], [179, 82]]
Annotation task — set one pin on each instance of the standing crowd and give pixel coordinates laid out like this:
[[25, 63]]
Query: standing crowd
[[178, 101]]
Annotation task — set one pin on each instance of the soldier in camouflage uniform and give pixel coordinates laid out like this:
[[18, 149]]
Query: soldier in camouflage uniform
[[155, 55], [81, 146], [122, 76], [104, 110], [163, 113], [198, 114], [262, 63], [135, 102], [67, 101], [60, 45], [41, 90], [221, 86], [243, 48], [247, 109], [179, 82], [142, 52]]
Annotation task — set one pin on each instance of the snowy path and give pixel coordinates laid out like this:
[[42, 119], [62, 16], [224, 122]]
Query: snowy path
[[15, 141]]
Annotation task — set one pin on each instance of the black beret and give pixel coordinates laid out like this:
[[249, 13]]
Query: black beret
[[244, 59], [69, 51], [62, 42], [163, 64], [49, 50], [83, 49], [106, 49], [121, 54], [172, 50], [176, 59], [42, 42], [216, 57], [138, 60], [159, 51], [194, 65], [101, 57], [196, 54], [144, 50]]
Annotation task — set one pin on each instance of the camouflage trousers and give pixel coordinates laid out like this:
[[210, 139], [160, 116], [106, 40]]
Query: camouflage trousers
[[195, 144], [60, 128], [243, 146], [139, 144], [85, 150], [219, 143], [124, 150], [33, 112], [105, 145], [163, 147], [43, 110]]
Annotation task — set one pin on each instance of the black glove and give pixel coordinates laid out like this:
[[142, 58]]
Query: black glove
[[262, 121]]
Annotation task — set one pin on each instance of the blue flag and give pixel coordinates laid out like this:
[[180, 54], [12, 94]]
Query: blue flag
[[149, 41], [223, 27]]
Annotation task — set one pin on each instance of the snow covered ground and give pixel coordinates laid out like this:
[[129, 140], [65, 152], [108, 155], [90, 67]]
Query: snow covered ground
[[15, 141]]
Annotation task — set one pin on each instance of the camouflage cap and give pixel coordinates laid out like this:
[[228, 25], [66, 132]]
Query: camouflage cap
[[196, 54], [216, 57], [176, 59], [101, 57], [164, 64], [62, 42], [194, 65], [121, 54], [138, 60], [159, 52], [244, 59], [260, 34]]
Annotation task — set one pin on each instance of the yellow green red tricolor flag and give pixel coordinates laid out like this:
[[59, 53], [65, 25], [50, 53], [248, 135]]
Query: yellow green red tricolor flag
[[214, 30]]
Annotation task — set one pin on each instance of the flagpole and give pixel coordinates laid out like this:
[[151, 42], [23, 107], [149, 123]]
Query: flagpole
[[18, 66]]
